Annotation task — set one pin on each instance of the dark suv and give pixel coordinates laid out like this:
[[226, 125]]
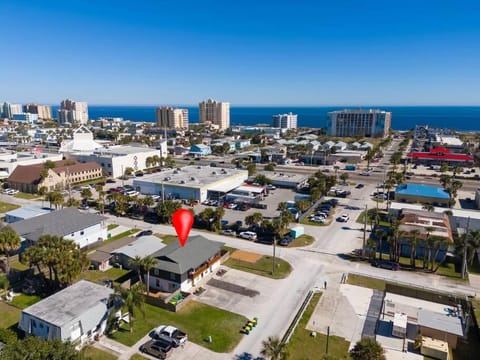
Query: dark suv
[[385, 264], [158, 348]]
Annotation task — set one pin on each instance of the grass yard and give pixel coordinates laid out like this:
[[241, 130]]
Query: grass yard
[[96, 275], [22, 195], [313, 223], [366, 282], [116, 237], [111, 226], [476, 308], [302, 345], [92, 353], [10, 315], [6, 207], [198, 320], [167, 239], [17, 265], [23, 301], [262, 267], [229, 248], [138, 357], [303, 240]]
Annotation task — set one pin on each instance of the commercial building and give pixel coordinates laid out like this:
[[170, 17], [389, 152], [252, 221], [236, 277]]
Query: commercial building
[[168, 117], [76, 313], [115, 160], [43, 111], [184, 267], [70, 223], [72, 111], [285, 121], [359, 122], [200, 150], [217, 113], [25, 118], [421, 193], [290, 181], [440, 155], [9, 160], [31, 178], [192, 182]]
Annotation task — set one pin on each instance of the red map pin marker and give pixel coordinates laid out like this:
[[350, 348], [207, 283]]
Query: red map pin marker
[[182, 221]]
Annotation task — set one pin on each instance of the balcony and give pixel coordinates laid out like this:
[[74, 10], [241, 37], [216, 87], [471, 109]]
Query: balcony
[[203, 267]]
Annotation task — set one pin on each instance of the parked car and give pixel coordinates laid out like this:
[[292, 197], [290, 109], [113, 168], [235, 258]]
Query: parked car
[[83, 207], [175, 336], [229, 232], [317, 219], [366, 173], [386, 264], [359, 186], [286, 241], [145, 233], [158, 348], [232, 206], [343, 218], [271, 187], [249, 235]]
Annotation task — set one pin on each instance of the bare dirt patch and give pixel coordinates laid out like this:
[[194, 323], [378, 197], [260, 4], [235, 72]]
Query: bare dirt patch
[[246, 256]]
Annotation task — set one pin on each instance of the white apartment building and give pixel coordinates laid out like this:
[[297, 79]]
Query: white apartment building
[[217, 113], [168, 117], [72, 111], [359, 122], [43, 111], [285, 121]]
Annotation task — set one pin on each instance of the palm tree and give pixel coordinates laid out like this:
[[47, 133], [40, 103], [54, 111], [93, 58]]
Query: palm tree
[[137, 263], [380, 234], [86, 194], [369, 157], [42, 191], [428, 243], [166, 209], [9, 241], [148, 262], [277, 228], [274, 349], [473, 243], [415, 233], [438, 242], [131, 298]]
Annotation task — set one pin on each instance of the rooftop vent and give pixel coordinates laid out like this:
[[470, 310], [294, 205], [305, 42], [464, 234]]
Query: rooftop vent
[[214, 173], [192, 178], [182, 181]]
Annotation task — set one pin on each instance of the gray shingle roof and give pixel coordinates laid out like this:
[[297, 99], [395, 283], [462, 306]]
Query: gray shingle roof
[[179, 260], [62, 222], [142, 247]]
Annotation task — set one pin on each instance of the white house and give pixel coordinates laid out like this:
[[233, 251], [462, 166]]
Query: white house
[[80, 227], [77, 313]]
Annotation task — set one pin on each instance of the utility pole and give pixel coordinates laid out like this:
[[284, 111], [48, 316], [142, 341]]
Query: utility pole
[[328, 335], [273, 260], [464, 263], [123, 177], [364, 231]]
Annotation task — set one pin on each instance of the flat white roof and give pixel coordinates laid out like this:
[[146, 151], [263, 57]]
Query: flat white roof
[[253, 189], [461, 213], [400, 320]]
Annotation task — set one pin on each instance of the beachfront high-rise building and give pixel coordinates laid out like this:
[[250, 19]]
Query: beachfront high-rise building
[[168, 117], [285, 121], [72, 111], [217, 113], [8, 110], [359, 122], [43, 111]]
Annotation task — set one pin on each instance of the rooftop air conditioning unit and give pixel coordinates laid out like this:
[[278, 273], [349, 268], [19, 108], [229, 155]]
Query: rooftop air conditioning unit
[[192, 178]]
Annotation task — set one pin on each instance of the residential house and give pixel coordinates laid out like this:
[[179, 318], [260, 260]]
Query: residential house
[[184, 267], [141, 247], [77, 314], [242, 143], [70, 223], [25, 212], [31, 178], [440, 326], [200, 150], [366, 146], [340, 146]]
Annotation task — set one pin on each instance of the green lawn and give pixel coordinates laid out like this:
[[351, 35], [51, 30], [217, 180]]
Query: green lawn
[[262, 267], [27, 196], [10, 315], [167, 239], [96, 275], [17, 265], [138, 357], [92, 353], [302, 345], [198, 320], [366, 281], [116, 237], [6, 207], [476, 308], [303, 240], [111, 226], [23, 301], [313, 223]]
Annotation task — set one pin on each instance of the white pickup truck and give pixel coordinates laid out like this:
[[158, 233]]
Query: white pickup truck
[[171, 334]]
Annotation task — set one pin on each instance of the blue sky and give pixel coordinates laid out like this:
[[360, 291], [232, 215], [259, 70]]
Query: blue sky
[[337, 52]]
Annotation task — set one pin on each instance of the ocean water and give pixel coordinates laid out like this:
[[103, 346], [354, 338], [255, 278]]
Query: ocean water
[[465, 118]]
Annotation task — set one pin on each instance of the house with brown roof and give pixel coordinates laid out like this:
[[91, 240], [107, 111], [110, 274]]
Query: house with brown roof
[[31, 178]]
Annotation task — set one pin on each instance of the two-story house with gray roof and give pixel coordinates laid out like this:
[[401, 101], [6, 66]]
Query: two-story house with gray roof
[[184, 267]]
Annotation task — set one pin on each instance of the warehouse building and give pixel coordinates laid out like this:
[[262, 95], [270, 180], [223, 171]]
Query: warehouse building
[[290, 181], [192, 182]]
